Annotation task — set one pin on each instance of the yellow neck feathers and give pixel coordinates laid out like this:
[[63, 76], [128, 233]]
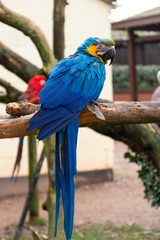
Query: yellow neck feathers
[[92, 50]]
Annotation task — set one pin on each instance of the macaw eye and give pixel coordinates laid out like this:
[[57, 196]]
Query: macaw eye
[[100, 46], [42, 82]]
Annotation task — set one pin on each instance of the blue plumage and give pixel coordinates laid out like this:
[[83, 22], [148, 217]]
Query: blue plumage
[[72, 84]]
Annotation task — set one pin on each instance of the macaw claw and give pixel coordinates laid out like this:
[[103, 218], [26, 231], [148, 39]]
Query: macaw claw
[[95, 108]]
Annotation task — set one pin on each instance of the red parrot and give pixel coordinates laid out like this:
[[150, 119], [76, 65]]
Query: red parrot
[[30, 95], [34, 86]]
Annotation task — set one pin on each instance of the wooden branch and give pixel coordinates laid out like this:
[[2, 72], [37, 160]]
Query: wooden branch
[[16, 109], [114, 113], [31, 30], [16, 64], [12, 92], [4, 117], [9, 88], [16, 127]]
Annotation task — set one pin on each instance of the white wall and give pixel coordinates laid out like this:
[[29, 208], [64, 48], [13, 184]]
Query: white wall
[[84, 18]]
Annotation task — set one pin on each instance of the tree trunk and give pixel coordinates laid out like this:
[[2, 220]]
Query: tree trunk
[[32, 160], [49, 152], [58, 32], [49, 205]]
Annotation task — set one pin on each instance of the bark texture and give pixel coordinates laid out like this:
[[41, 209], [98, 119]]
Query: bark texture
[[58, 29], [11, 94], [32, 162], [31, 30], [16, 109], [18, 65], [114, 114], [50, 152]]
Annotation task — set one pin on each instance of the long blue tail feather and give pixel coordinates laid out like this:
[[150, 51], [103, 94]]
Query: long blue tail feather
[[69, 172], [64, 178], [57, 181]]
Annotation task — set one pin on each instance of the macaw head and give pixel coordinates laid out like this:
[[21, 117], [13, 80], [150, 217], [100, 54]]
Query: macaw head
[[102, 48], [35, 85], [36, 82]]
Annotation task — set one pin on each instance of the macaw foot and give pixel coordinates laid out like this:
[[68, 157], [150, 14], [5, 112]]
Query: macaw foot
[[95, 108], [97, 104]]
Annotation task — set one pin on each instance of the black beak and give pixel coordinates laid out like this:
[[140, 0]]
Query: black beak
[[109, 55]]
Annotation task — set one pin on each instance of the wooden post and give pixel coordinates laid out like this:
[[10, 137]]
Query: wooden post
[[132, 65], [142, 54], [32, 161]]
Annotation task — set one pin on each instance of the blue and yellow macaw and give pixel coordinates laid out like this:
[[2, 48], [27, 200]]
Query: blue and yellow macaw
[[73, 83]]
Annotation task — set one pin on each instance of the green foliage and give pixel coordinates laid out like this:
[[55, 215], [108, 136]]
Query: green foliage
[[150, 178], [146, 77], [39, 222], [24, 237], [103, 231]]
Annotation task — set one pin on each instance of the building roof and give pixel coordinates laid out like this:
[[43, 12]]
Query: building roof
[[148, 20], [148, 13], [112, 2]]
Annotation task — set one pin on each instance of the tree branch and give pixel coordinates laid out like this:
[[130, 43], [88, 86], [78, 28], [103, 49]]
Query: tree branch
[[12, 92], [143, 139], [30, 29], [16, 109], [114, 113], [16, 64]]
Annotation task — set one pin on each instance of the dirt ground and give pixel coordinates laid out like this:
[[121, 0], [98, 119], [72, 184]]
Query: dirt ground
[[120, 201]]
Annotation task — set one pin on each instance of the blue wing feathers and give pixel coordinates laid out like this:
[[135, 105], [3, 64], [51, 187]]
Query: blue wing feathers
[[49, 86], [52, 126], [50, 91], [49, 116], [78, 103], [56, 99]]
